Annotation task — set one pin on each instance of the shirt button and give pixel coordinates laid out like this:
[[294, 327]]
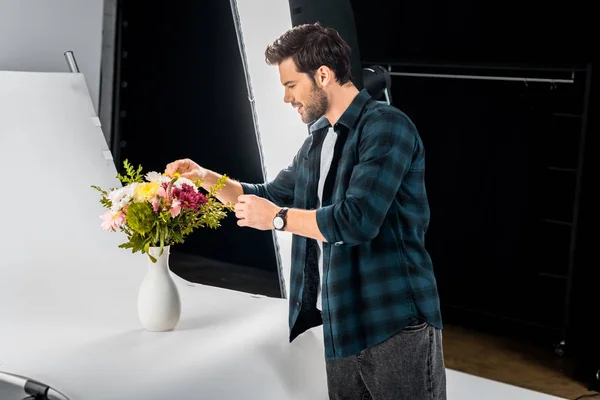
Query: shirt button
[[338, 243], [298, 303]]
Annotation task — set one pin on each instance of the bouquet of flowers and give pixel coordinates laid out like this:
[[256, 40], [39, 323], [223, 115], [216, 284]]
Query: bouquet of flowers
[[159, 210]]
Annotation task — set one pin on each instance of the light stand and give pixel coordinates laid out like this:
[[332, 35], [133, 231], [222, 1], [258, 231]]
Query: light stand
[[36, 390]]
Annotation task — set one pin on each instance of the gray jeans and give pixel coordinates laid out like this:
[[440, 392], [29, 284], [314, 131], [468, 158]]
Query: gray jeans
[[408, 366]]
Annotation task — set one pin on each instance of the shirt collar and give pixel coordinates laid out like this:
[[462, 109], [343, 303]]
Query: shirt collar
[[319, 124], [349, 117], [352, 113]]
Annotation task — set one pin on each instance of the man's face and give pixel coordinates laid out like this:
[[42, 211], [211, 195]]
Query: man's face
[[302, 92]]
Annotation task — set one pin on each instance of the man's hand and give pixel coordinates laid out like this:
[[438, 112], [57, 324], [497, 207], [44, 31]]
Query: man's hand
[[187, 169], [255, 212]]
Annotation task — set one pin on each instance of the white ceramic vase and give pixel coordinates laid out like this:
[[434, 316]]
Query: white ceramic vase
[[159, 304]]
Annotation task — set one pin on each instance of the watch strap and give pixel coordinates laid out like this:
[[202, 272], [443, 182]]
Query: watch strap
[[283, 215]]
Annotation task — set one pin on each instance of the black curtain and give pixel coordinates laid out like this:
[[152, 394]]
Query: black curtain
[[505, 31], [500, 178], [582, 340]]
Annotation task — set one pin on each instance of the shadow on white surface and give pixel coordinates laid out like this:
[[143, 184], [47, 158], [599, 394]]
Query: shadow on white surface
[[10, 392]]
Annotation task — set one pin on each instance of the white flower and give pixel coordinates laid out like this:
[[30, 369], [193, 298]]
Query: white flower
[[179, 183], [156, 177], [120, 197], [160, 178]]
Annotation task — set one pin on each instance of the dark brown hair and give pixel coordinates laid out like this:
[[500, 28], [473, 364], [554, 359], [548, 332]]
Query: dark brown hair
[[312, 46]]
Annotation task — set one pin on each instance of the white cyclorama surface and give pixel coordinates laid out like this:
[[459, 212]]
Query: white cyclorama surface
[[68, 295], [281, 132]]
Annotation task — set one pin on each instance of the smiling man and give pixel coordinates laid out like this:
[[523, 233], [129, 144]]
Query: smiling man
[[354, 199]]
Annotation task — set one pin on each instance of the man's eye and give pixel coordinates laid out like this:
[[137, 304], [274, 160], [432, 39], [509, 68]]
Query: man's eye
[[292, 86]]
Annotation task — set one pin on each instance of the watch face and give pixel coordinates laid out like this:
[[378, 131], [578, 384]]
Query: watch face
[[278, 222]]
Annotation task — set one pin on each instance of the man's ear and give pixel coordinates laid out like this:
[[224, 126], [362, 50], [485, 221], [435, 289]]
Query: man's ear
[[324, 76]]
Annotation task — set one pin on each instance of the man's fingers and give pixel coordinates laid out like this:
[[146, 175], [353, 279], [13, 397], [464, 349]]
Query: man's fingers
[[242, 222], [172, 168], [179, 166], [240, 210], [189, 175], [245, 198]]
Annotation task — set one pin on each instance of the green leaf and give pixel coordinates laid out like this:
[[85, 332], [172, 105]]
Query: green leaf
[[132, 175], [104, 199], [157, 237], [98, 188]]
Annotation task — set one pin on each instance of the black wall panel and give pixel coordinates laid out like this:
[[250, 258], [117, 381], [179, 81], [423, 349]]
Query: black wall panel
[[505, 31], [182, 93]]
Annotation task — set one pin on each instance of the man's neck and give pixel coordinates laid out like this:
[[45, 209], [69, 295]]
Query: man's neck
[[339, 101]]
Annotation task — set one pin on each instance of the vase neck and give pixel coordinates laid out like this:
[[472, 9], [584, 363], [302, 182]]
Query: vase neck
[[161, 259]]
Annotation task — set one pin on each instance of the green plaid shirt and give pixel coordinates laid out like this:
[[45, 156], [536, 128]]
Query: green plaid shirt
[[377, 275]]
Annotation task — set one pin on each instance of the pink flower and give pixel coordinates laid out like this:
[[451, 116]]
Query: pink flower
[[175, 208], [162, 191], [111, 222], [155, 204]]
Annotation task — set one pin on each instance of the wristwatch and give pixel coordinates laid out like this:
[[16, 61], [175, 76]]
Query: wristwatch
[[280, 219]]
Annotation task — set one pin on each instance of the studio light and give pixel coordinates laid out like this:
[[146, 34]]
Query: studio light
[[378, 82]]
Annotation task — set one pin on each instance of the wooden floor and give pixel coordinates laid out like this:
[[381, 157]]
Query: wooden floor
[[510, 360], [497, 357]]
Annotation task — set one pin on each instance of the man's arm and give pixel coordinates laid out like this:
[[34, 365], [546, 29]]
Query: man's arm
[[385, 155], [304, 223], [280, 190], [258, 213], [230, 192]]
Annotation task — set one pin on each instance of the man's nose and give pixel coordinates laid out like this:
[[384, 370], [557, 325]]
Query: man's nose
[[287, 98]]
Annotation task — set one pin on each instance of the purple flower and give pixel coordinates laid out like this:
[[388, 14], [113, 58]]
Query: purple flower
[[189, 197]]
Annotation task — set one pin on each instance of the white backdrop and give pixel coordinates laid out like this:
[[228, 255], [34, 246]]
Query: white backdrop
[[34, 34], [280, 131]]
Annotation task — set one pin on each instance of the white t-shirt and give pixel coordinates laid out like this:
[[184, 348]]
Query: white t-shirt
[[326, 157]]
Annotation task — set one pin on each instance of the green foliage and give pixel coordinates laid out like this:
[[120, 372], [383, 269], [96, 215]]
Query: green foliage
[[141, 218], [104, 199], [145, 228], [132, 175]]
